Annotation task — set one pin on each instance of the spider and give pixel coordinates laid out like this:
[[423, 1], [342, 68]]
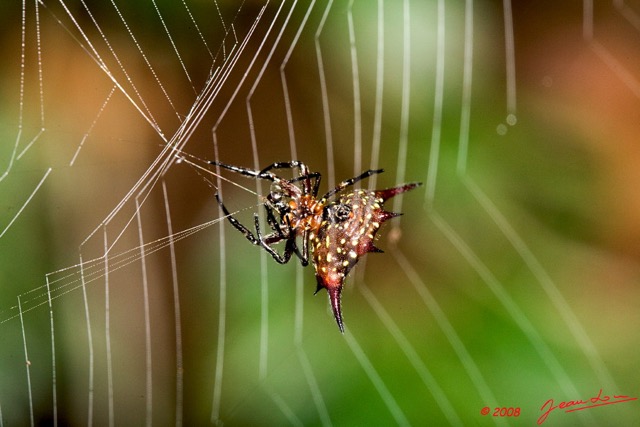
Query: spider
[[336, 228]]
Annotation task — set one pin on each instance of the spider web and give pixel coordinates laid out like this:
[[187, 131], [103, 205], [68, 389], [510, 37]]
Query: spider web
[[126, 297]]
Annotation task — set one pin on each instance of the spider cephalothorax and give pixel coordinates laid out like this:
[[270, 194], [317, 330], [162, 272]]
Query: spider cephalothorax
[[338, 232]]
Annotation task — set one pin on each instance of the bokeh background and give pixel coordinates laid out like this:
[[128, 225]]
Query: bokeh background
[[512, 277]]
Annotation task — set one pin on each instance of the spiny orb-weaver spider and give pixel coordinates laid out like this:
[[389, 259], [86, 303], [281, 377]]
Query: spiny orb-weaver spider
[[338, 232]]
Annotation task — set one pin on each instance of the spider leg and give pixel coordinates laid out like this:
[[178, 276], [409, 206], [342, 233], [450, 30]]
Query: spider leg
[[316, 186], [347, 182], [261, 241], [304, 175], [291, 244], [273, 223], [304, 256], [275, 237], [245, 171], [310, 189], [244, 230], [304, 169]]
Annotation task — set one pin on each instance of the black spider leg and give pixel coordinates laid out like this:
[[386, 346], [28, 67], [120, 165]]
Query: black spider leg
[[244, 171], [304, 175], [265, 174], [261, 241], [309, 189], [347, 182], [287, 165], [290, 245]]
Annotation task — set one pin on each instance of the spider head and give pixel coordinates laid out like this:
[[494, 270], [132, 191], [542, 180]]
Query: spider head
[[278, 197], [347, 232]]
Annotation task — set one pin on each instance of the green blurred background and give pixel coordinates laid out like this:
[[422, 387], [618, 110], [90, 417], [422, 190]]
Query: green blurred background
[[513, 282]]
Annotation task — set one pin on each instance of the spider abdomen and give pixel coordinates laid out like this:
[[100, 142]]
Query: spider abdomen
[[341, 241], [348, 232]]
